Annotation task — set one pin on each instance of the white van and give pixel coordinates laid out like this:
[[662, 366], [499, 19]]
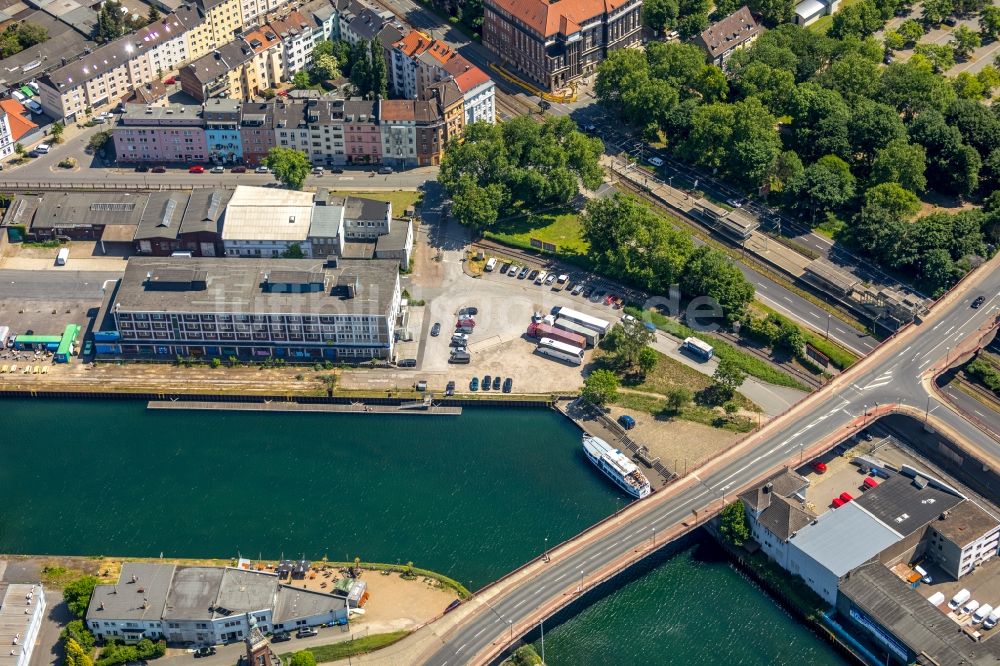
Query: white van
[[936, 599], [541, 277], [62, 256], [981, 613], [970, 607], [960, 598], [924, 576], [992, 619], [42, 148], [491, 264]]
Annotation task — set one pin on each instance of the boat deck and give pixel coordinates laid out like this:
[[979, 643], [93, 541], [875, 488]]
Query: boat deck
[[285, 406]]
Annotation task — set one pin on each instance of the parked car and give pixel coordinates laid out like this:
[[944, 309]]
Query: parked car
[[508, 384], [306, 632], [655, 161], [465, 322], [496, 383], [238, 169], [626, 421], [385, 170], [524, 273], [141, 168], [317, 171], [204, 651], [951, 21], [468, 310], [34, 107], [735, 203], [159, 169], [450, 388], [846, 497], [550, 279], [532, 275], [197, 168], [281, 637], [436, 329], [336, 170], [514, 269], [978, 302], [407, 363], [218, 169], [262, 169], [459, 339], [169, 81], [463, 329], [504, 267], [819, 466], [474, 384], [487, 382]]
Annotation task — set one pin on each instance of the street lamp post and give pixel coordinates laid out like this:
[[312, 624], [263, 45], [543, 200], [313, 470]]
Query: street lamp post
[[541, 626], [654, 537], [545, 551], [510, 623], [828, 315]]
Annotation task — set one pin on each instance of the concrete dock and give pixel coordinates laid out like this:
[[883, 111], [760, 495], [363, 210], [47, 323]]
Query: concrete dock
[[288, 406], [595, 423]]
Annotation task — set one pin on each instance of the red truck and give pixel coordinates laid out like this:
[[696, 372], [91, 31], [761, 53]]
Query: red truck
[[539, 330]]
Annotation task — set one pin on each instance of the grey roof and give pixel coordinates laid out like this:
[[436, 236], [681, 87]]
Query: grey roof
[[16, 619], [64, 42], [194, 589], [366, 24], [841, 539], [293, 602], [360, 208], [243, 591], [237, 286], [327, 221], [965, 523], [928, 632], [783, 517], [162, 215], [22, 209], [116, 53], [227, 57], [784, 484], [902, 505], [63, 209], [139, 598], [289, 114], [205, 210], [219, 108], [729, 32], [395, 240], [175, 114]]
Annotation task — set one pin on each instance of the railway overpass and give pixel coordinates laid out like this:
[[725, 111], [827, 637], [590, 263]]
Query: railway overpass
[[896, 377]]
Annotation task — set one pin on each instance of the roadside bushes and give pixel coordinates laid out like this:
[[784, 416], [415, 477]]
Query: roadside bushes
[[119, 653], [984, 372]]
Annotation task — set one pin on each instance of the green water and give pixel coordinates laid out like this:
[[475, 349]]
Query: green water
[[692, 609], [471, 496]]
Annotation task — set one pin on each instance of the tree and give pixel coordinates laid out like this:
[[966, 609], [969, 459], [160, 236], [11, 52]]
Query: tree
[[964, 42], [660, 15], [693, 17], [989, 78], [858, 20], [57, 130], [678, 398], [979, 127], [733, 524], [648, 358], [873, 126], [75, 655], [771, 85], [294, 251], [773, 12], [626, 343], [153, 14], [940, 56], [754, 144], [820, 120], [301, 79], [19, 149], [951, 165], [325, 67], [77, 631], [99, 139], [600, 387], [968, 87], [728, 377], [911, 32], [989, 175], [110, 22], [989, 22], [77, 594], [894, 40], [302, 658], [379, 72], [936, 11], [853, 76], [787, 167], [710, 273], [290, 166], [901, 162], [825, 186], [881, 227], [912, 86]]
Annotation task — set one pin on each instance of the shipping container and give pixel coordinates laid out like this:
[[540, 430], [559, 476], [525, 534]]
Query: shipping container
[[546, 331], [600, 325], [590, 335]]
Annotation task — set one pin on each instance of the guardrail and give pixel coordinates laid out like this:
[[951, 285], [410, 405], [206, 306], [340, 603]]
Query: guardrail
[[33, 185]]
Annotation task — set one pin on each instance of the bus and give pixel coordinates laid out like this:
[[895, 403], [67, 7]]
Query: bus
[[698, 348], [599, 325], [560, 350], [590, 335]]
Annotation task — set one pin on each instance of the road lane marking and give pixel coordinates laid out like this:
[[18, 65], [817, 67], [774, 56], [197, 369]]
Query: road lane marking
[[461, 648], [476, 635], [519, 603], [813, 314]]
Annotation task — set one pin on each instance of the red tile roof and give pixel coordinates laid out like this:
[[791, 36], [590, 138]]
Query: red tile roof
[[413, 44], [18, 117], [559, 17]]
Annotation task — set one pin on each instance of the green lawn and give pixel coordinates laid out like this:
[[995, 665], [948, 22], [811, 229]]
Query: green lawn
[[823, 23], [561, 229], [399, 199], [335, 651]]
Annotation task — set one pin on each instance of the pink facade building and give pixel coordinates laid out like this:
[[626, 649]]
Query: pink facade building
[[168, 134], [362, 136]]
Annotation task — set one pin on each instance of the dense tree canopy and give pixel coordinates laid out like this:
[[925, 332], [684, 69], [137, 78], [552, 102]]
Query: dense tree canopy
[[519, 165]]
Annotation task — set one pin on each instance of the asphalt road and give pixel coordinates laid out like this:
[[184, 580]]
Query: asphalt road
[[893, 378], [62, 285]]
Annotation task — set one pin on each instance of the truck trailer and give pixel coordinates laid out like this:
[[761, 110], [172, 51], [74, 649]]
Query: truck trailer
[[540, 330]]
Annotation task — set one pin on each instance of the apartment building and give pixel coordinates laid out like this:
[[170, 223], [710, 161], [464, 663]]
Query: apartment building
[[160, 134], [724, 38], [362, 136], [256, 132], [268, 57], [413, 133], [297, 309], [554, 43], [16, 126], [297, 41], [221, 22], [114, 70], [228, 71], [451, 105], [253, 12], [222, 130]]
